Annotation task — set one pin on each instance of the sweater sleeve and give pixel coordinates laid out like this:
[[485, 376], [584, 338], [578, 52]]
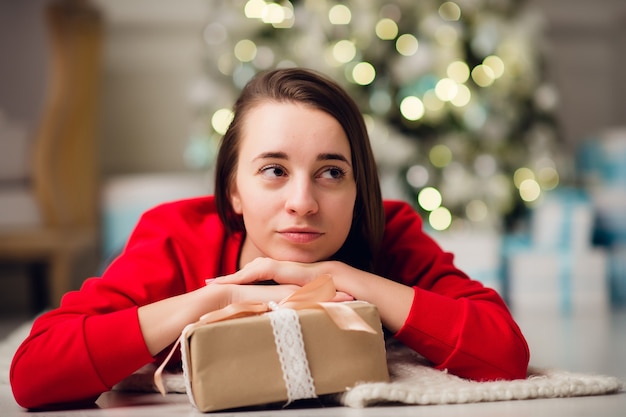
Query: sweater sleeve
[[93, 339], [454, 322]]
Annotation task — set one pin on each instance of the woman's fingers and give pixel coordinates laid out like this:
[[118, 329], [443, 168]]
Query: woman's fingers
[[260, 293], [342, 296], [266, 269]]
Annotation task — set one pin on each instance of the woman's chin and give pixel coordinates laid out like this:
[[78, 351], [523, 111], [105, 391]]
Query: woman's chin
[[305, 258]]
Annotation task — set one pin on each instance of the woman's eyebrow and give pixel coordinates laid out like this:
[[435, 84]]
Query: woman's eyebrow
[[271, 155], [320, 157], [332, 157]]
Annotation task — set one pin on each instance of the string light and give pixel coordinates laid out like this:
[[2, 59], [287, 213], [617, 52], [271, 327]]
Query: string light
[[428, 81]]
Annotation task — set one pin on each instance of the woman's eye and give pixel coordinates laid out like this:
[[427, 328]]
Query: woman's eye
[[273, 171], [334, 173]]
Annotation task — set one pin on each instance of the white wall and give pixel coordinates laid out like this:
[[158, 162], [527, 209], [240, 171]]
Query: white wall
[[152, 52], [586, 51]]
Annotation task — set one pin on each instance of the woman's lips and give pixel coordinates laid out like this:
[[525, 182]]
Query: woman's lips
[[300, 236]]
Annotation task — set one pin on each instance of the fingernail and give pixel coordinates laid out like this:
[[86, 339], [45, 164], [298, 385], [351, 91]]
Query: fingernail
[[209, 280]]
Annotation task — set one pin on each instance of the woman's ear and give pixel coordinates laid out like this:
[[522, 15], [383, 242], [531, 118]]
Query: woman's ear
[[235, 200]]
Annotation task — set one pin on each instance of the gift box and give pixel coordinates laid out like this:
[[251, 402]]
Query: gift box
[[477, 253], [564, 219], [617, 275], [558, 281], [250, 360]]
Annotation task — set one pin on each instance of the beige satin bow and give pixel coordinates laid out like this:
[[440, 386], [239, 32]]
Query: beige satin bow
[[314, 295]]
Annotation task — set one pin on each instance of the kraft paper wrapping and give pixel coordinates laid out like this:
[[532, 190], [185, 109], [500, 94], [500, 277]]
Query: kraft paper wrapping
[[234, 363]]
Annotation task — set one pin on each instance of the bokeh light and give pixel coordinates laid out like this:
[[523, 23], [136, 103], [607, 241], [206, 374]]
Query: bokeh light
[[339, 14], [496, 64], [440, 155], [446, 89], [380, 101], [412, 108], [417, 176], [483, 75], [245, 50], [344, 51], [273, 13], [446, 35], [429, 198], [458, 71], [363, 73], [529, 190], [440, 218], [476, 211], [462, 97], [407, 44], [254, 9], [548, 178], [432, 102], [215, 33], [450, 11], [221, 120], [522, 174], [264, 58], [386, 29]]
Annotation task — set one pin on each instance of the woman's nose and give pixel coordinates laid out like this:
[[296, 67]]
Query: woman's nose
[[301, 199]]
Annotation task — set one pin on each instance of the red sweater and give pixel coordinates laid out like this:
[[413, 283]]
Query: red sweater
[[93, 340]]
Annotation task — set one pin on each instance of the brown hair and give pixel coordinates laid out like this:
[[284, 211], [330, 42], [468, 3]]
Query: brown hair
[[315, 90]]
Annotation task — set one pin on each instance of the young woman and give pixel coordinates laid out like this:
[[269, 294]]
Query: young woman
[[297, 195]]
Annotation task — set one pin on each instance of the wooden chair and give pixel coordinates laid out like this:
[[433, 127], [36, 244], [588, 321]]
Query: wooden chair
[[64, 177]]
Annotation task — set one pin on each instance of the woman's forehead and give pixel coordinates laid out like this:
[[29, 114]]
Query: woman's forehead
[[289, 124]]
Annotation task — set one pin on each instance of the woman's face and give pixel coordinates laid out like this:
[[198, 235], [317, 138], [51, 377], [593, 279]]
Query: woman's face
[[294, 184]]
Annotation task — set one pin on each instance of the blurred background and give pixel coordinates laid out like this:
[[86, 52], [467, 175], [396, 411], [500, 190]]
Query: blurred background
[[502, 122]]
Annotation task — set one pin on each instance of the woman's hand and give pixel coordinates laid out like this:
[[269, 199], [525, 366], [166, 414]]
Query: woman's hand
[[239, 293], [288, 275], [393, 299]]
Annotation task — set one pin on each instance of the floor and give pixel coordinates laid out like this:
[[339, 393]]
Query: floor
[[590, 343]]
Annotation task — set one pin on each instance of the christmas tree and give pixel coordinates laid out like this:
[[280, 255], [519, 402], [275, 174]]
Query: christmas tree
[[454, 93]]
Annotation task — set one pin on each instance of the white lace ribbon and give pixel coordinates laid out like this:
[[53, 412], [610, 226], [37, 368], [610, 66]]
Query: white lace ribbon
[[290, 348]]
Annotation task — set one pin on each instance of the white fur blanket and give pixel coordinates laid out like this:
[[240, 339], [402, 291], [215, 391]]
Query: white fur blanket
[[412, 382]]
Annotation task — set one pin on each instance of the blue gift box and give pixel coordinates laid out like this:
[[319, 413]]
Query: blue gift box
[[564, 219], [558, 281], [602, 160], [617, 275]]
